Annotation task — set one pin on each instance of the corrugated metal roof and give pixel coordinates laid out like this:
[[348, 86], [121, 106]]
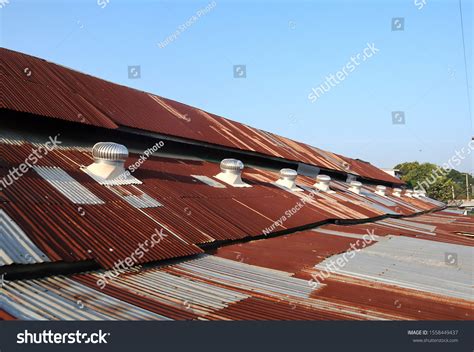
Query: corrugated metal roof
[[414, 291], [142, 201], [397, 277], [56, 91], [222, 292], [69, 187], [60, 298], [415, 264], [191, 212], [384, 228], [409, 225], [183, 293], [247, 277], [256, 308], [15, 246], [25, 95], [263, 279], [209, 181], [125, 179]]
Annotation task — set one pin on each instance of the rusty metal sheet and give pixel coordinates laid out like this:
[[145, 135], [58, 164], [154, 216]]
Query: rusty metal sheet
[[191, 212], [60, 298], [52, 90], [15, 246], [412, 263]]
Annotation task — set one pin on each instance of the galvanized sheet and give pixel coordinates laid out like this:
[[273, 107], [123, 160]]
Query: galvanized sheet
[[15, 246], [126, 179], [209, 181], [415, 264], [67, 186], [198, 297], [348, 235], [60, 298], [249, 277], [143, 201], [411, 224]]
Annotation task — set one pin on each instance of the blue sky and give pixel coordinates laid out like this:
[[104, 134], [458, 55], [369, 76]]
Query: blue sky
[[288, 48]]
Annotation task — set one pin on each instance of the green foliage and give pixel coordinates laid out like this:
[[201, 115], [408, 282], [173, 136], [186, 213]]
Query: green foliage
[[436, 181]]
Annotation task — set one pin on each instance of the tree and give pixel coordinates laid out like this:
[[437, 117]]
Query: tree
[[438, 183]]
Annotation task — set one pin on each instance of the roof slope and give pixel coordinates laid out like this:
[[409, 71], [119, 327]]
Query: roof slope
[[270, 279], [67, 216], [56, 216], [39, 87]]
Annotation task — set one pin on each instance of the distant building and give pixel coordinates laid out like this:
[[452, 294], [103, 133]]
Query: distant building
[[467, 204], [393, 172]]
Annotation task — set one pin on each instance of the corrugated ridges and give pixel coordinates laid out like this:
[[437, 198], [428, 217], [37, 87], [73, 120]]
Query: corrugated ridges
[[72, 232], [15, 246], [419, 284], [247, 277], [67, 185], [45, 100], [213, 288], [263, 309], [290, 253], [414, 264], [52, 90], [192, 212], [60, 298], [182, 293]]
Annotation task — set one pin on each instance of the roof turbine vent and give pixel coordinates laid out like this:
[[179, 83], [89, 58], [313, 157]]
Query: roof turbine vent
[[380, 190], [397, 192], [231, 170], [419, 193], [322, 183], [109, 151], [355, 186], [287, 179], [109, 164]]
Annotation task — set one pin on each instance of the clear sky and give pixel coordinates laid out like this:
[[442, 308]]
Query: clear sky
[[288, 47]]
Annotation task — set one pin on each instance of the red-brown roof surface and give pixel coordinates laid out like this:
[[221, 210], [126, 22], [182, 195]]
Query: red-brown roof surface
[[194, 212], [247, 275], [51, 90]]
